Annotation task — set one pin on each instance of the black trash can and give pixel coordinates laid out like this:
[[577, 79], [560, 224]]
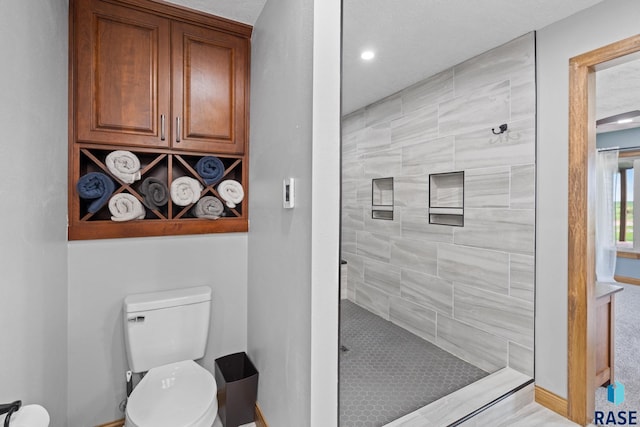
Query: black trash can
[[237, 381]]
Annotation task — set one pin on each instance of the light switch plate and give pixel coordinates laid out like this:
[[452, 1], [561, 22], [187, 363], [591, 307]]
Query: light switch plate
[[288, 193]]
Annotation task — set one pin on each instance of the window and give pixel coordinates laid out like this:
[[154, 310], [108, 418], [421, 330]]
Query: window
[[624, 207]]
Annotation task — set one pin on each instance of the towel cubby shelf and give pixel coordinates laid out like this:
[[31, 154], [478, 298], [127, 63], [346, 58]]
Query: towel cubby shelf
[[169, 218]]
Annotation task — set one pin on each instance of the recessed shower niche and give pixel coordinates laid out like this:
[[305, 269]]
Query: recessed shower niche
[[382, 198], [446, 198]]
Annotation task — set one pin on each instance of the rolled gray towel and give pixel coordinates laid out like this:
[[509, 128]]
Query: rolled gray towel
[[155, 192], [208, 207]]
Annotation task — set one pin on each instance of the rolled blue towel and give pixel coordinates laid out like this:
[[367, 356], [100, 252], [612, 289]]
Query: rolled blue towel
[[211, 169], [95, 186]]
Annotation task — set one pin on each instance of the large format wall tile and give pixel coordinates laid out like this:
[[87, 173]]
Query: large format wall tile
[[433, 90], [352, 168], [390, 227], [364, 192], [348, 241], [350, 193], [523, 183], [373, 300], [482, 149], [515, 58], [500, 315], [414, 254], [355, 267], [429, 157], [428, 291], [415, 225], [353, 218], [384, 111], [383, 163], [523, 97], [350, 142], [416, 127], [522, 276], [413, 317], [412, 191], [486, 269], [355, 274], [484, 108], [373, 246], [486, 188], [374, 138], [477, 347], [521, 359], [353, 122], [499, 229], [382, 276]]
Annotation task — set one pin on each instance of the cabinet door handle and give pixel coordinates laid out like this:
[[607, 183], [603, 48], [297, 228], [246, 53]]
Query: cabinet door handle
[[162, 135], [178, 129]]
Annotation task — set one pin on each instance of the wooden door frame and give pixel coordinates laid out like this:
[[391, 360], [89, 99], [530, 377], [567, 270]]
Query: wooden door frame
[[581, 257]]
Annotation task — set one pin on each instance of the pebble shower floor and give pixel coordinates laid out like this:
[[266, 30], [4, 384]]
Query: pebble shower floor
[[387, 372]]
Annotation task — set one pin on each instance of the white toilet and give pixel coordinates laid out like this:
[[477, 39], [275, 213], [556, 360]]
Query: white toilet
[[164, 333], [28, 416]]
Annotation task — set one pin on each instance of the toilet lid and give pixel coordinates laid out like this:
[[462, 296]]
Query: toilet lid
[[173, 395]]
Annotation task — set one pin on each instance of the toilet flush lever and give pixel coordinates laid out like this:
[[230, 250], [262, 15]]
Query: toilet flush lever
[[136, 319]]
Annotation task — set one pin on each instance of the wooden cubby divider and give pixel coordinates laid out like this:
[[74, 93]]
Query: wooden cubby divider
[[166, 166]]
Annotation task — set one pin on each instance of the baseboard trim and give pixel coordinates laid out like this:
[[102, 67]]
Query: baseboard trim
[[260, 421], [629, 280], [552, 401], [118, 423]]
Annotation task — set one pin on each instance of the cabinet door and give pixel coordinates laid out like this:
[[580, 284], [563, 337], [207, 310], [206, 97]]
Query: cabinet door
[[209, 86], [122, 74]]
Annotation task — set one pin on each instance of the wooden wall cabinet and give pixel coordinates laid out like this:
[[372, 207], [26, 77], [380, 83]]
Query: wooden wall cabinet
[[160, 81]]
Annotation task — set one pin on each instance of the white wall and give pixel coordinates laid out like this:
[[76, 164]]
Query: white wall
[[279, 259], [103, 272], [33, 175], [605, 23], [325, 212]]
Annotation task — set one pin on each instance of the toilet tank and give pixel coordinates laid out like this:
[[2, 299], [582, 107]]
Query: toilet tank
[[166, 327]]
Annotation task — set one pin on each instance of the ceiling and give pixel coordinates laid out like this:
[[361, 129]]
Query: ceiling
[[618, 92], [415, 39], [245, 11]]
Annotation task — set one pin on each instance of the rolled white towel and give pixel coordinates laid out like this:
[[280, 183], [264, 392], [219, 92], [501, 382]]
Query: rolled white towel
[[185, 190], [124, 165], [125, 207], [231, 192]]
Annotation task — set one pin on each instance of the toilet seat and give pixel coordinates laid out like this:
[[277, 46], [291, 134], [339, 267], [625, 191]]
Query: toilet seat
[[181, 394]]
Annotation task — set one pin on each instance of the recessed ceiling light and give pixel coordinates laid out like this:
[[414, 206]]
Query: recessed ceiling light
[[623, 121], [367, 55]]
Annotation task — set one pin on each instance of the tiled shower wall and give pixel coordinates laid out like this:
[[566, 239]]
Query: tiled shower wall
[[469, 290]]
